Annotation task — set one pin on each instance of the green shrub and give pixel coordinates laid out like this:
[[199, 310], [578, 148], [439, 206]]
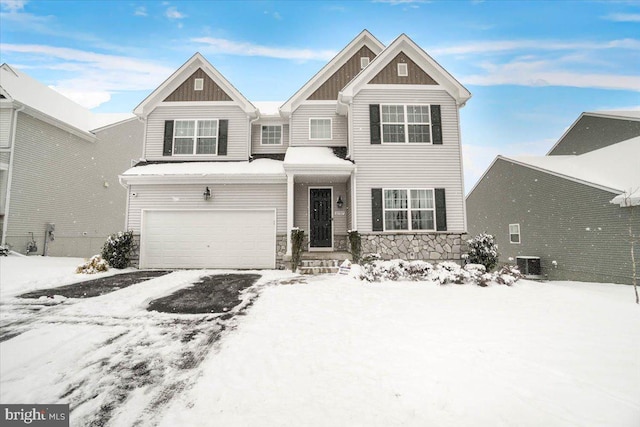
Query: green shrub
[[117, 249], [297, 240], [483, 250], [355, 246]]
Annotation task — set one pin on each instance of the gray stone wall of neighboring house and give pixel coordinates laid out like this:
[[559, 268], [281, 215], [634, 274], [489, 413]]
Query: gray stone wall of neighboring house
[[560, 220], [591, 133], [62, 179], [432, 247]]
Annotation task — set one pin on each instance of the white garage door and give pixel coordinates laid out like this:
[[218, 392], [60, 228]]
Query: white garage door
[[208, 239]]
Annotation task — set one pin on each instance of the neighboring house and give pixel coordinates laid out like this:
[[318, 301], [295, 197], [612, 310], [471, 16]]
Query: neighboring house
[[571, 208], [59, 167], [371, 143]]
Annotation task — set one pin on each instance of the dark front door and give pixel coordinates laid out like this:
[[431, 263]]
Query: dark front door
[[320, 217]]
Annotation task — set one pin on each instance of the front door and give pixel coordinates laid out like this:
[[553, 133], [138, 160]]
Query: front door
[[320, 228]]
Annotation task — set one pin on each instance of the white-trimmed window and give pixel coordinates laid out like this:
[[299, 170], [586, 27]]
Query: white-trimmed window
[[195, 137], [198, 84], [409, 209], [514, 233], [319, 128], [364, 61], [406, 124], [271, 135], [403, 69]]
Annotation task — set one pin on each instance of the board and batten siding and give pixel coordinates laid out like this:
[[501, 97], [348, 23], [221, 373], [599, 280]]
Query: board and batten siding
[[257, 148], [6, 115], [300, 125], [408, 165], [62, 179], [560, 220], [223, 196], [301, 206], [238, 133]]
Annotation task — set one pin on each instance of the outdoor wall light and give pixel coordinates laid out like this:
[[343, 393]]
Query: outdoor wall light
[[206, 194], [339, 202]]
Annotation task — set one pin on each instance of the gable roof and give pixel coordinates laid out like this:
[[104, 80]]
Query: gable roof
[[404, 44], [183, 73], [633, 115], [365, 38], [614, 168]]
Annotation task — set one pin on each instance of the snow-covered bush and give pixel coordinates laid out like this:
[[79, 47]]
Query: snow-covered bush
[[355, 245], [93, 265], [483, 250], [444, 273], [117, 249], [369, 258], [4, 250]]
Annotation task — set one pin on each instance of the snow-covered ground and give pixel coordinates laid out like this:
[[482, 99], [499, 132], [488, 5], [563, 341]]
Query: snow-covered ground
[[334, 351]]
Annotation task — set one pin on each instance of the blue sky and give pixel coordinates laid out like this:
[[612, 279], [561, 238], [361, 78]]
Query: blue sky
[[532, 66]]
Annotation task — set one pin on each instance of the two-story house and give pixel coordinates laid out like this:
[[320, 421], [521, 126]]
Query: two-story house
[[371, 143]]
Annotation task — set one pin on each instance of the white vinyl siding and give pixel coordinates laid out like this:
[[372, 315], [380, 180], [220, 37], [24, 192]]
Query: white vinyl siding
[[5, 126], [258, 148], [227, 196], [408, 165], [300, 125], [238, 131], [69, 186]]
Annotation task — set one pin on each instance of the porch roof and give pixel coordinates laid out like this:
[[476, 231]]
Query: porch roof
[[316, 160]]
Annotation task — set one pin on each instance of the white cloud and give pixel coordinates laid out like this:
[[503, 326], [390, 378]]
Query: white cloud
[[12, 5], [173, 13], [140, 11], [405, 2], [623, 17], [93, 77], [503, 46], [231, 47], [544, 73]]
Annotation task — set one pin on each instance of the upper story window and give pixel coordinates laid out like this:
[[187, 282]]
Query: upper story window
[[195, 137], [271, 135], [406, 123], [320, 129], [198, 84], [409, 209], [403, 70], [514, 233], [364, 61]]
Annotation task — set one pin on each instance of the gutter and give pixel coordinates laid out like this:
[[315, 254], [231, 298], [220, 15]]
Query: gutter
[[7, 203]]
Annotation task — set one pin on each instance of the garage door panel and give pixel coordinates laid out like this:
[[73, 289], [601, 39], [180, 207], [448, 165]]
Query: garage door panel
[[208, 239]]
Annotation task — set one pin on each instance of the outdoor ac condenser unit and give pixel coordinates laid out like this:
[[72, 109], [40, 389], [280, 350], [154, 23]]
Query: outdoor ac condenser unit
[[529, 266]]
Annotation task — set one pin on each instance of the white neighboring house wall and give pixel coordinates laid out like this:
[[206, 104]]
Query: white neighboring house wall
[[66, 180], [320, 110], [237, 147], [407, 165]]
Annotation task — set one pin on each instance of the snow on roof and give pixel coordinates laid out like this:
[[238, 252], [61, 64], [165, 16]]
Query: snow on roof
[[628, 114], [616, 167], [268, 108], [28, 91], [313, 156], [256, 167]]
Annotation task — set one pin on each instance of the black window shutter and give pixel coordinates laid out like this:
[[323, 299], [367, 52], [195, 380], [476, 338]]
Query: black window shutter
[[436, 124], [376, 209], [441, 210], [374, 123], [223, 126], [168, 138]]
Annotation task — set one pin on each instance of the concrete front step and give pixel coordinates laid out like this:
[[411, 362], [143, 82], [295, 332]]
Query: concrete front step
[[337, 255], [318, 270], [320, 263]]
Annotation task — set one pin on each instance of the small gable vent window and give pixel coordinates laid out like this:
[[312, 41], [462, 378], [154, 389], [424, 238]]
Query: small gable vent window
[[403, 70], [198, 84], [514, 233], [364, 61]]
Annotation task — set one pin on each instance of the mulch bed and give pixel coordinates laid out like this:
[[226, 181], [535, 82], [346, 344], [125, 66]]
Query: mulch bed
[[212, 294], [97, 287]]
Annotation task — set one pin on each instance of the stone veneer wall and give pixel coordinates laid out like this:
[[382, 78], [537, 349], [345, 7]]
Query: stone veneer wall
[[135, 255], [427, 247], [281, 250]]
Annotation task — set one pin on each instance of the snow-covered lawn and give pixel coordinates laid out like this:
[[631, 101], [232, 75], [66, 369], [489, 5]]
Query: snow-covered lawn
[[333, 351]]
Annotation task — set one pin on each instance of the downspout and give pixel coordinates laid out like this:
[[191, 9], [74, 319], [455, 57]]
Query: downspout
[[349, 127], [7, 203], [251, 122], [142, 119]]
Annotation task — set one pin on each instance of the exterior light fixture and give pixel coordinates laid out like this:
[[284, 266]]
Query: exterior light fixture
[[206, 194], [339, 202]]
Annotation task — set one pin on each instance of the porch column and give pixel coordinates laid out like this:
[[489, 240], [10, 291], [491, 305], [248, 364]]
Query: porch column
[[290, 188], [354, 208]]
